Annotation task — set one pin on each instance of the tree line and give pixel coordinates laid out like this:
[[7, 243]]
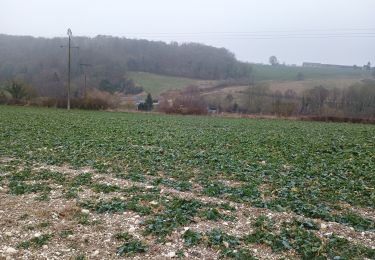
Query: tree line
[[356, 101], [41, 63]]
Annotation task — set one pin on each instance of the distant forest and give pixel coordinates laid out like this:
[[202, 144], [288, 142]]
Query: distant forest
[[42, 62]]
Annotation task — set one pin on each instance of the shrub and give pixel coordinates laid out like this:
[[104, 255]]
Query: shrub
[[187, 102]]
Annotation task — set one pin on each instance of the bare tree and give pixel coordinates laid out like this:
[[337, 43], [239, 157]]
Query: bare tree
[[273, 60]]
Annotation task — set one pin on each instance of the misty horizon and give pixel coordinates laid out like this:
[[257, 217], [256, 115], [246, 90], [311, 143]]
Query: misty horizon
[[294, 31], [266, 62]]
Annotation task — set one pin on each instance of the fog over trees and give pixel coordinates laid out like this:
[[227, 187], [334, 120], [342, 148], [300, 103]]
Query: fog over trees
[[42, 62]]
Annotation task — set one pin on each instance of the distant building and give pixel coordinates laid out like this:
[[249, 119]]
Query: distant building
[[212, 110], [322, 65], [311, 64]]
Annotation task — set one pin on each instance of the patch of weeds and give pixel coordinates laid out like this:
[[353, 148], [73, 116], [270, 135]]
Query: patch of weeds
[[100, 166], [307, 224], [297, 235], [135, 205], [148, 196], [306, 208], [356, 221], [43, 197], [133, 176], [191, 238], [82, 218], [263, 223], [263, 235], [48, 175], [65, 233], [84, 179], [105, 188], [226, 206], [35, 242], [180, 253], [340, 248], [24, 245], [132, 247], [247, 193], [349, 218], [177, 185], [218, 238], [293, 235], [125, 236], [304, 242], [211, 214], [178, 212], [23, 175], [71, 194], [80, 257], [44, 224], [133, 189], [213, 189], [116, 206], [20, 188]]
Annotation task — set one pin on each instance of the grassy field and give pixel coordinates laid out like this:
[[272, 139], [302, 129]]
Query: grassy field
[[288, 73], [156, 84], [298, 86], [82, 184]]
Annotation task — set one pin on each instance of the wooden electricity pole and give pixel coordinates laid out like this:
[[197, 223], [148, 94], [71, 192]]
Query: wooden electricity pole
[[69, 35], [69, 61]]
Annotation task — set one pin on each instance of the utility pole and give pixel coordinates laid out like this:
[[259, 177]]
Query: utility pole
[[85, 89], [70, 39], [69, 48]]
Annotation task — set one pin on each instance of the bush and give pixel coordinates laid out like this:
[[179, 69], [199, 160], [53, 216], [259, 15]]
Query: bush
[[186, 102], [43, 102], [95, 100], [19, 90], [3, 97]]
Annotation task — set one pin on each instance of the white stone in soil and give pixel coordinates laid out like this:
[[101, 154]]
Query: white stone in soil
[[85, 211], [132, 229], [11, 251], [171, 254]]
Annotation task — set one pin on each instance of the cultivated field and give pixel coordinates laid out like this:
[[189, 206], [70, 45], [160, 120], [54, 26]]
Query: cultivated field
[[299, 86], [289, 73], [157, 84], [102, 185]]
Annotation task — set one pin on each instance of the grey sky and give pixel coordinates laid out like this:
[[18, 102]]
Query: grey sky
[[293, 30]]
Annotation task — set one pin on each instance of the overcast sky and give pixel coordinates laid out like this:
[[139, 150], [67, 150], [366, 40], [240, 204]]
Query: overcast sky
[[329, 31]]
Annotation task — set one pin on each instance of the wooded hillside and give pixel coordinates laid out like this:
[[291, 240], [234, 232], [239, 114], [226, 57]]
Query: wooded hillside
[[42, 62]]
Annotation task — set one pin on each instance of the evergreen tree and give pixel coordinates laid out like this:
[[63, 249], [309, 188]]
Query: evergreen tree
[[149, 102]]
